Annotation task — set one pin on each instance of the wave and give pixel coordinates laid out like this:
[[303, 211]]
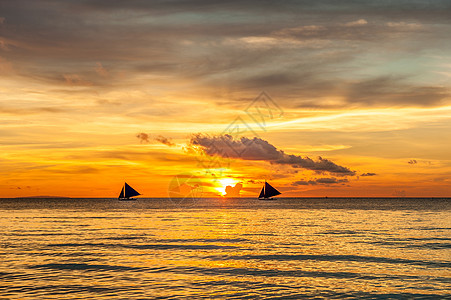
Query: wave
[[148, 246], [400, 244], [353, 258], [234, 272]]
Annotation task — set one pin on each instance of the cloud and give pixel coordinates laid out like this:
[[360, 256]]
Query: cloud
[[143, 137], [309, 86], [359, 22], [164, 140], [253, 181], [323, 181], [101, 70], [313, 90], [76, 80], [320, 165], [391, 90], [233, 191], [259, 149], [368, 174], [304, 182], [404, 25], [412, 161], [358, 30], [30, 110], [331, 180], [304, 45]]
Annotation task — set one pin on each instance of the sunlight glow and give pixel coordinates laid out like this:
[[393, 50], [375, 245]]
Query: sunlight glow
[[224, 182]]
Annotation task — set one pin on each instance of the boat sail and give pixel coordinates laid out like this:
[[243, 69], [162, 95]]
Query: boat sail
[[267, 192], [128, 192]]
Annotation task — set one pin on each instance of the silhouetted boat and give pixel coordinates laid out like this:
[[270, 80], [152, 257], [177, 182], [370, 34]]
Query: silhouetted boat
[[268, 192], [127, 193]]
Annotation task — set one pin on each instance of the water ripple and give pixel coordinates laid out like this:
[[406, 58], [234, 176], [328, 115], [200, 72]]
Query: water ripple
[[237, 249], [302, 257], [146, 246]]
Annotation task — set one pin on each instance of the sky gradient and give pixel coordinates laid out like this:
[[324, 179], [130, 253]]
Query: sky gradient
[[95, 93]]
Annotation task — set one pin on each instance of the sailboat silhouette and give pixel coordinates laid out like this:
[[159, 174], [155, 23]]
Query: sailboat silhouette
[[268, 192], [127, 193]]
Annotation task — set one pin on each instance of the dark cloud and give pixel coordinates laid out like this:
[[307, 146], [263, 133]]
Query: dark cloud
[[331, 180], [304, 182], [301, 50], [368, 174], [164, 140], [306, 89], [412, 162], [143, 137], [271, 79], [320, 165], [391, 90], [258, 149], [233, 191], [324, 181], [415, 9]]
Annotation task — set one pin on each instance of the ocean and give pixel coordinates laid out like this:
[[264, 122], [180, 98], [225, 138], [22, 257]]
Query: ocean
[[296, 248]]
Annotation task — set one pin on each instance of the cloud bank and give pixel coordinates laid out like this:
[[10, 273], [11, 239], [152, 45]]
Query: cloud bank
[[261, 150], [324, 181], [311, 50]]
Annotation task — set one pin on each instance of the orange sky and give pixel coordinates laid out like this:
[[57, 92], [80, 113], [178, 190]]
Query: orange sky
[[92, 95]]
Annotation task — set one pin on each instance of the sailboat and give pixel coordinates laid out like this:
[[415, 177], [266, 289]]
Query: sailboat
[[268, 192], [127, 193]]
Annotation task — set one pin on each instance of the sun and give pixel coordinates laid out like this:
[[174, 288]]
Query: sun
[[223, 183]]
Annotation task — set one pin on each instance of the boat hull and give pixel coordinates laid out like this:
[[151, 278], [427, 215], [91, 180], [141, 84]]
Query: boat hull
[[267, 199], [127, 199]]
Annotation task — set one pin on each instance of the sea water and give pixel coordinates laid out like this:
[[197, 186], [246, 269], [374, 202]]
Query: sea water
[[225, 248]]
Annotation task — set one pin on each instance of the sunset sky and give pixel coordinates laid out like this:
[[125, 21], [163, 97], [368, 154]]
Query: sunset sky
[[331, 98]]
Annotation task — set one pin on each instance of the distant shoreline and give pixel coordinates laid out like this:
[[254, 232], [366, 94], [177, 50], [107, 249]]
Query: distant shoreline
[[42, 197]]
